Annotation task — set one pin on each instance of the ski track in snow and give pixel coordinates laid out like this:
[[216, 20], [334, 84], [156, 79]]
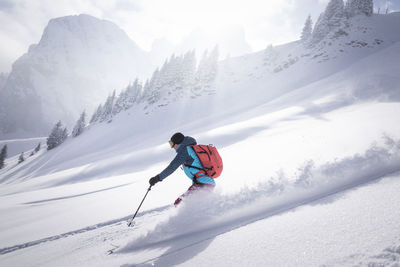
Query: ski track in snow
[[79, 231]]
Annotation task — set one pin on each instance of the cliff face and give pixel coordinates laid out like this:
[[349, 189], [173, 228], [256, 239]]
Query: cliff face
[[77, 63]]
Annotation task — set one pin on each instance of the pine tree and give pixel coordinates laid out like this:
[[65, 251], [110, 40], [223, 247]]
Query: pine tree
[[37, 148], [367, 7], [3, 156], [207, 71], [357, 7], [80, 125], [146, 89], [213, 64], [53, 139], [133, 94], [152, 91], [320, 29], [96, 114], [21, 158], [334, 10], [334, 13], [120, 102], [329, 20], [64, 135], [107, 110], [57, 136], [307, 30], [128, 97], [188, 70], [351, 8]]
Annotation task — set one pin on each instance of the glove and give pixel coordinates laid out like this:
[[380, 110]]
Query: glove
[[154, 180]]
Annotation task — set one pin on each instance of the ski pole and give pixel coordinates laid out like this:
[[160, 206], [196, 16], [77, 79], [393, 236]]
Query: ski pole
[[130, 222]]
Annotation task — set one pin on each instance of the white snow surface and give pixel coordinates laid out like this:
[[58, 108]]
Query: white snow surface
[[311, 151]]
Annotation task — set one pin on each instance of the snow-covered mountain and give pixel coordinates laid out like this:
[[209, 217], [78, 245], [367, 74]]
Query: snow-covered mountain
[[77, 63], [3, 79], [310, 137]]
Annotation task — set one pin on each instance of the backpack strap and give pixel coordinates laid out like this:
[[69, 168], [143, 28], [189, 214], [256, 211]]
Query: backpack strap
[[199, 174]]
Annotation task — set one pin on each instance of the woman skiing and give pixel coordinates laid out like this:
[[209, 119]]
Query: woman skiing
[[187, 157]]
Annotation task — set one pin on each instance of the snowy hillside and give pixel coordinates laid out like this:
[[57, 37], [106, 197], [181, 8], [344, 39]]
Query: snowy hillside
[[77, 63], [310, 137], [327, 69]]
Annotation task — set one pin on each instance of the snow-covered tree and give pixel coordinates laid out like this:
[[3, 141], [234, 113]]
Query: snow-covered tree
[[64, 135], [80, 125], [189, 69], [111, 107], [37, 148], [146, 89], [176, 78], [21, 158], [57, 136], [152, 92], [351, 8], [3, 156], [367, 7], [334, 13], [107, 110], [329, 20], [54, 138], [180, 72], [213, 63], [172, 81], [320, 29], [96, 115], [206, 71], [307, 30], [133, 93], [128, 97], [119, 103], [357, 7]]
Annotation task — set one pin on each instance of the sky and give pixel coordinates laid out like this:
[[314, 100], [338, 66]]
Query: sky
[[263, 22]]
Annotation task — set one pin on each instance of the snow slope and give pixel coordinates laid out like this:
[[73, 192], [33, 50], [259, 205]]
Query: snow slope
[[266, 218], [17, 146], [311, 171]]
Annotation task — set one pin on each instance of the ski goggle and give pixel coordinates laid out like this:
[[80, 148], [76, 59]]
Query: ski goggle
[[171, 143]]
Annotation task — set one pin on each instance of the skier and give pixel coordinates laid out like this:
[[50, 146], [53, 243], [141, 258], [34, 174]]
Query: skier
[[191, 164]]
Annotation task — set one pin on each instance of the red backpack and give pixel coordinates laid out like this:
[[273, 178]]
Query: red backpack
[[210, 159]]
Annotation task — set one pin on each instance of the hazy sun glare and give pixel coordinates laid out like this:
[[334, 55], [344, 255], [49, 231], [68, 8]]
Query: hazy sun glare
[[176, 18]]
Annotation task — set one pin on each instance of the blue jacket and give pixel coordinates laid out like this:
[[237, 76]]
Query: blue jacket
[[186, 155]]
